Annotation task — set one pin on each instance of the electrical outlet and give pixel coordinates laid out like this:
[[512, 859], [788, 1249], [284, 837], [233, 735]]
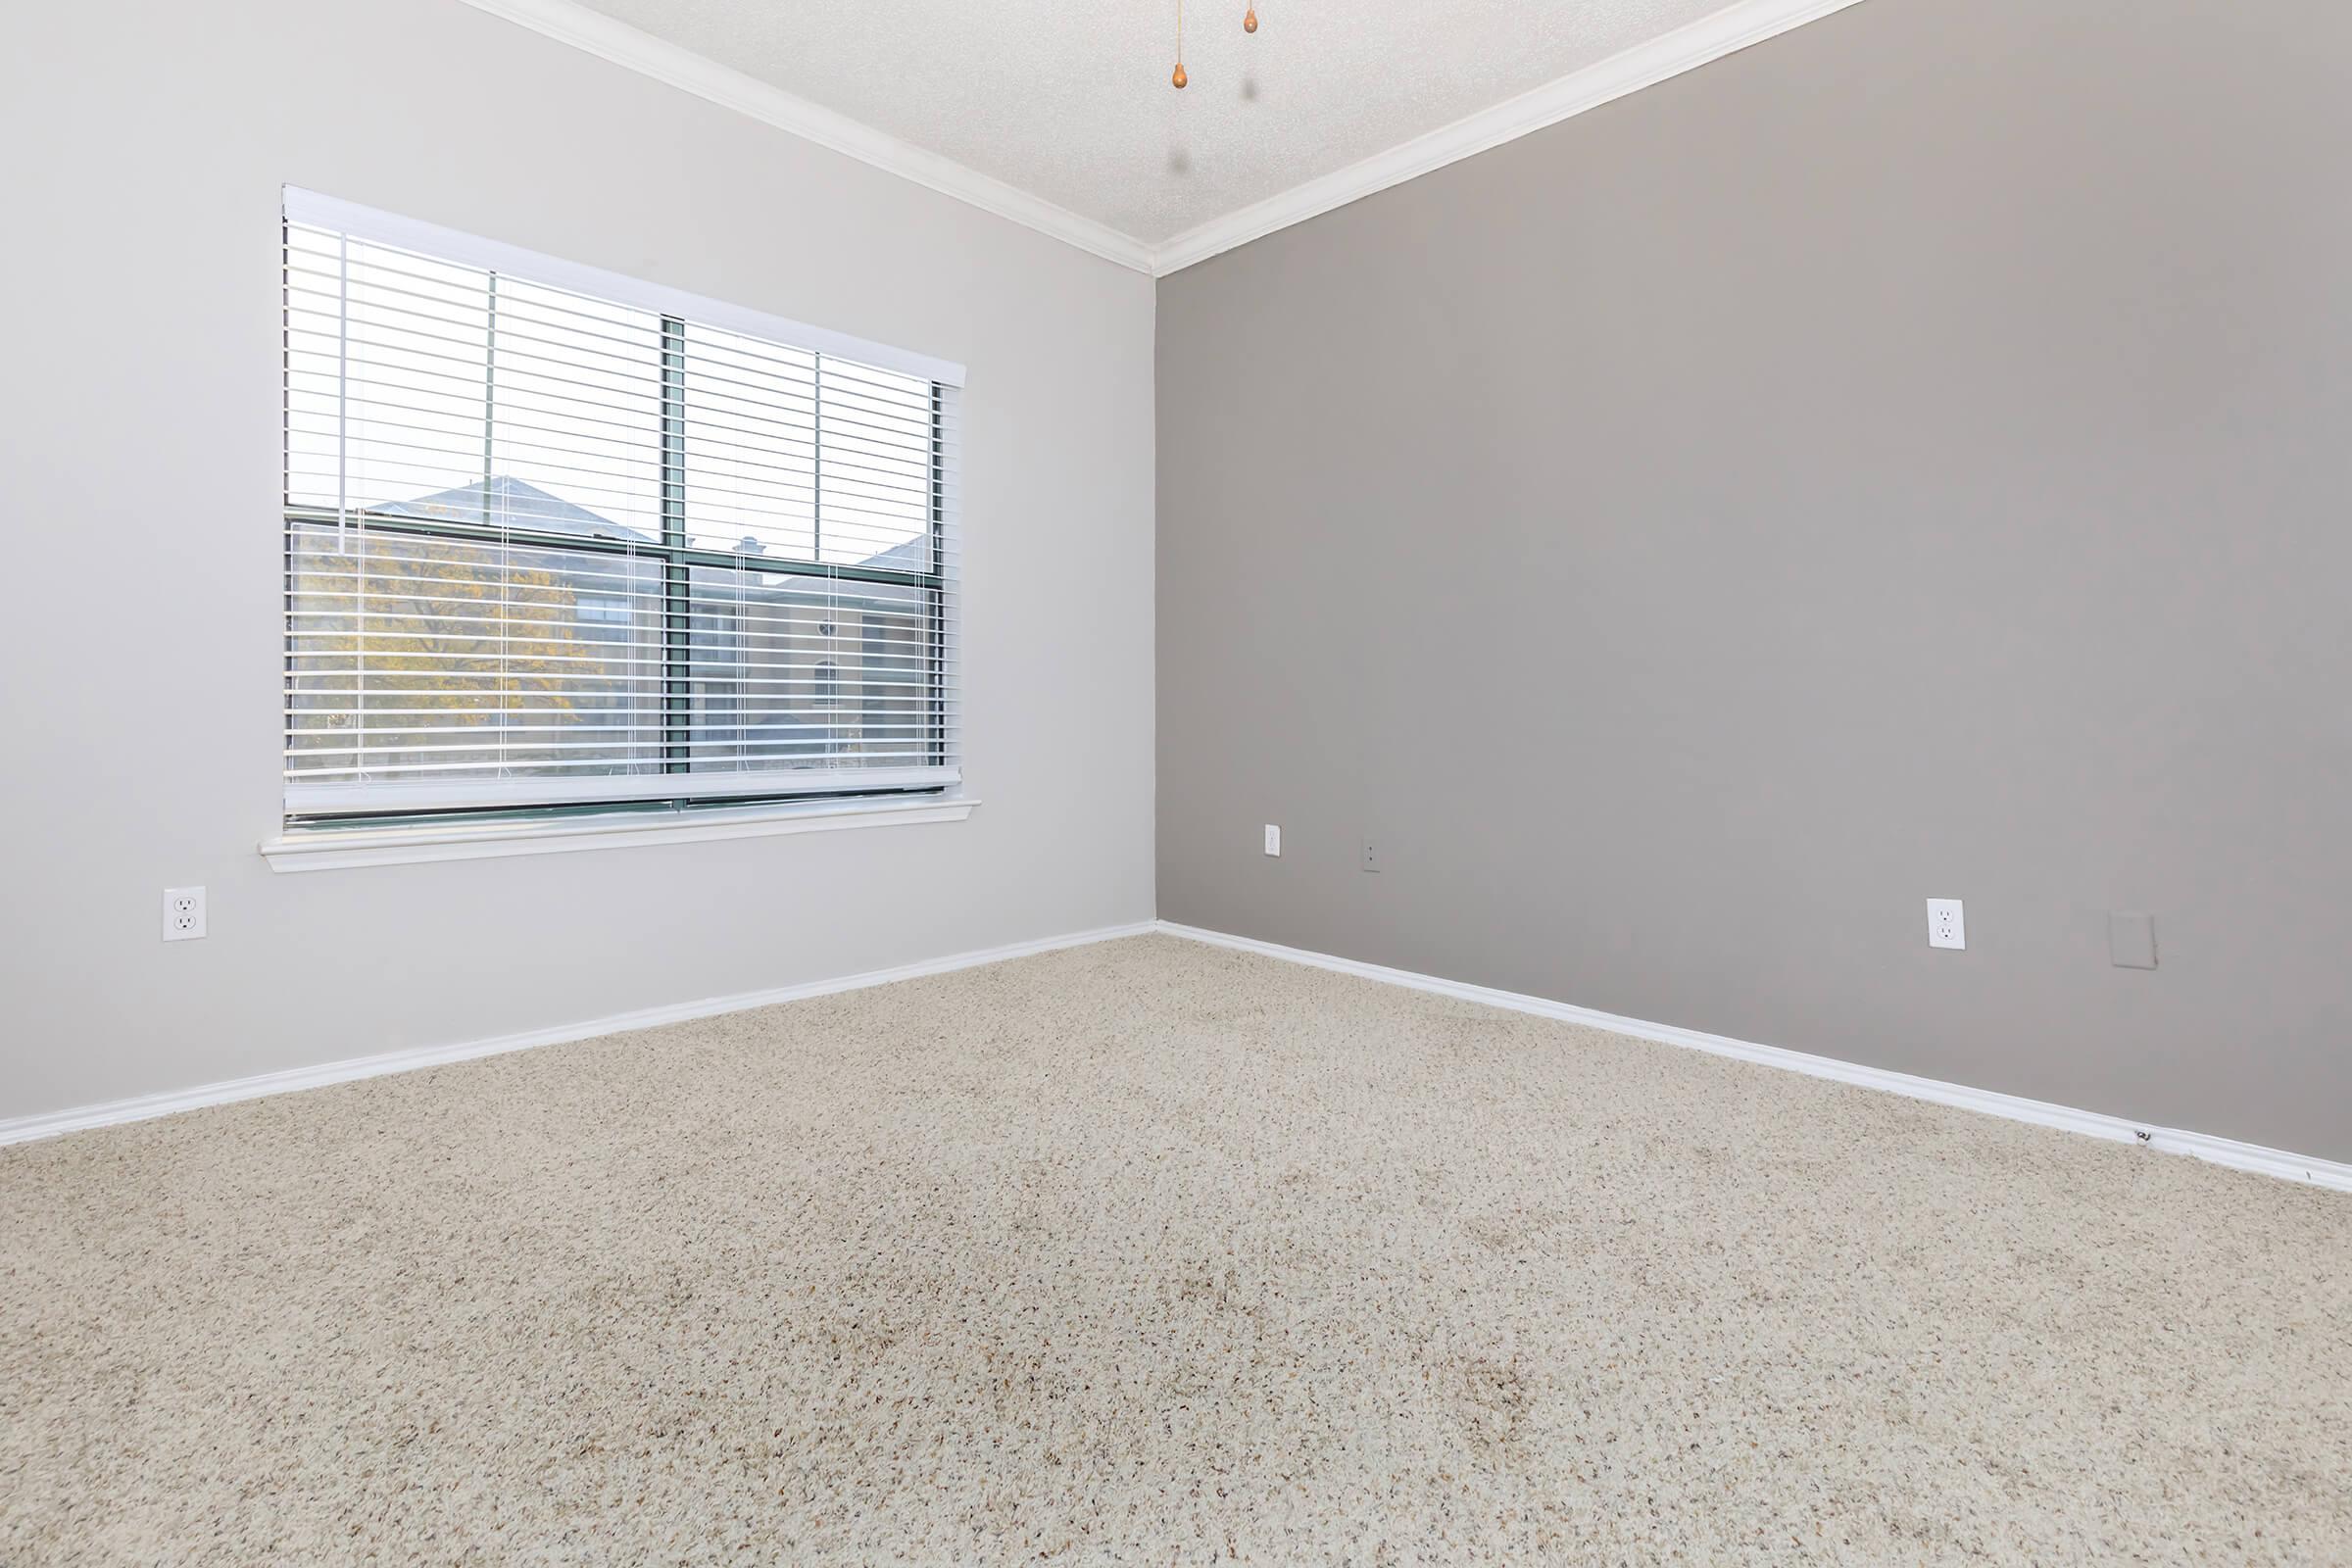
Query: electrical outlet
[[1273, 839], [183, 915], [1371, 860], [1946, 927]]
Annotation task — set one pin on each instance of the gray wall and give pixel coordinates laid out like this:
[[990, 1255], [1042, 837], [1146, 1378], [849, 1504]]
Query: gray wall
[[1907, 458], [140, 410]]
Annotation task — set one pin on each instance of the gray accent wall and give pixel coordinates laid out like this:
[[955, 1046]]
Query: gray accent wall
[[1911, 458]]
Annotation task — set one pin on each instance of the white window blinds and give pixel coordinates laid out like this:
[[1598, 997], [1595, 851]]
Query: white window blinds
[[558, 538]]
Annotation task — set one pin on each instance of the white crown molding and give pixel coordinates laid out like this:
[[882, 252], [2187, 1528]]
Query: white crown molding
[[23, 1129], [570, 23], [1745, 22], [1687, 48], [2065, 1118]]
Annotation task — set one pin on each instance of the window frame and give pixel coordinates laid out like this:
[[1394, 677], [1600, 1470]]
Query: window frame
[[634, 801]]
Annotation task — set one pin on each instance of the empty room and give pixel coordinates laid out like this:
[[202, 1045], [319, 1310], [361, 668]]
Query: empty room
[[1557, 781]]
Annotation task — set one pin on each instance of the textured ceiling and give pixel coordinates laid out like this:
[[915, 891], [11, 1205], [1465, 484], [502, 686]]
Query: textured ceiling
[[1071, 100]]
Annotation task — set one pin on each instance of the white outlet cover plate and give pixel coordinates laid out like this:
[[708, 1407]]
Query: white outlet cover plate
[[1273, 839], [1946, 926], [183, 915]]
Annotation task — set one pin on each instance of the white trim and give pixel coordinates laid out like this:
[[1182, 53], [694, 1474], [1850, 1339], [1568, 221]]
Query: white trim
[[2230, 1152], [1645, 65], [567, 22], [1727, 32], [391, 797], [332, 213], [23, 1129], [330, 848], [2219, 1150]]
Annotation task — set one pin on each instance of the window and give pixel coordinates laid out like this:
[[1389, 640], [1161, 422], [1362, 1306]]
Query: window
[[560, 540]]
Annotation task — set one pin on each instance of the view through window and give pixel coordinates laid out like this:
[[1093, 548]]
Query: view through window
[[551, 550]]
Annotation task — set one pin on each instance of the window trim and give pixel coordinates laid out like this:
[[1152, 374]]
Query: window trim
[[336, 847], [382, 834]]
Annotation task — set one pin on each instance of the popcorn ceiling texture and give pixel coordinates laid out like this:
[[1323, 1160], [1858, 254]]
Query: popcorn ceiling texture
[[1070, 101], [1152, 1252]]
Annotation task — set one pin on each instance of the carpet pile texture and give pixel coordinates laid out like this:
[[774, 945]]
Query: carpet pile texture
[[1152, 1253]]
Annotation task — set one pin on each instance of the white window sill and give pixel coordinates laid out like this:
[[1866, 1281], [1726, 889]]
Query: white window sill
[[329, 849]]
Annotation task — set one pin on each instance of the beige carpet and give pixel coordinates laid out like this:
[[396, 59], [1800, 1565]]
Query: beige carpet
[[1150, 1252]]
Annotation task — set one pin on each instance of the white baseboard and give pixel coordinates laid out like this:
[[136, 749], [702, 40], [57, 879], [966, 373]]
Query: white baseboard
[[2227, 1152], [22, 1129], [2220, 1150]]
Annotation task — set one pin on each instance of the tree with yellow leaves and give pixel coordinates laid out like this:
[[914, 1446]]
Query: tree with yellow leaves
[[436, 639]]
